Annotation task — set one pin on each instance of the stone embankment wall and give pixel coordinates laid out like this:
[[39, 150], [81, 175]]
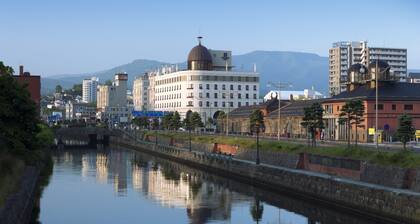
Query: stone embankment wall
[[403, 206], [395, 177], [18, 207]]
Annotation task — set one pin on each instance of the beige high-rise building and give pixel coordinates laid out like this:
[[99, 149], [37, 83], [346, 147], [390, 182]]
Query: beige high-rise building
[[141, 93], [344, 54]]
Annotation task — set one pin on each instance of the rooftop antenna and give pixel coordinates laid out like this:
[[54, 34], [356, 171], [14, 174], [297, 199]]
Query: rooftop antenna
[[199, 39]]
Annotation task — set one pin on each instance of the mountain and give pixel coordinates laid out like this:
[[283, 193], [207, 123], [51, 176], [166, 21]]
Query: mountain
[[302, 70]]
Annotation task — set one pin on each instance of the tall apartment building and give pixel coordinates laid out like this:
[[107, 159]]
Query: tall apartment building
[[89, 90], [112, 100], [141, 93], [346, 53], [208, 86]]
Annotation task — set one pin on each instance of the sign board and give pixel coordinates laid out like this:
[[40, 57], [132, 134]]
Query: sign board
[[148, 113], [417, 133], [371, 131]]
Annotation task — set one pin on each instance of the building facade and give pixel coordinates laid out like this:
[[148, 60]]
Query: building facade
[[141, 93], [306, 94], [80, 111], [344, 54], [112, 101], [89, 89], [33, 83], [208, 86], [413, 77]]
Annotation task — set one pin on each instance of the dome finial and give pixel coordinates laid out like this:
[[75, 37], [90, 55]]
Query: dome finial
[[199, 39]]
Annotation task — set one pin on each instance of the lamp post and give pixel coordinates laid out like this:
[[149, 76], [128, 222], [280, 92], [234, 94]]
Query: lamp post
[[257, 127], [377, 73], [279, 86]]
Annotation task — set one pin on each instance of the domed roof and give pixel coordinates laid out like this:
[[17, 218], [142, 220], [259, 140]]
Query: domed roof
[[199, 53], [382, 65], [359, 68]]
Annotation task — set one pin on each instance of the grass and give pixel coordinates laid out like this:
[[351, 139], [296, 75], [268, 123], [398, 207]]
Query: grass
[[11, 169], [404, 159]]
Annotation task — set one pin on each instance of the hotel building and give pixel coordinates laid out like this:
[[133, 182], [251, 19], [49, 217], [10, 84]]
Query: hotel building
[[89, 87], [208, 86]]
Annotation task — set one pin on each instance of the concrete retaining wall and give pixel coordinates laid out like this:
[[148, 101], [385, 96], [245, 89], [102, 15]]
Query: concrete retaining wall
[[18, 207], [368, 199]]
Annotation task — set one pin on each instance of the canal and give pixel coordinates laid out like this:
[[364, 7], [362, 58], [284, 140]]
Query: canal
[[124, 186]]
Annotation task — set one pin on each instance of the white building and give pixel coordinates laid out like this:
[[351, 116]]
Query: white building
[[112, 100], [344, 54], [80, 111], [141, 93], [306, 94], [208, 86], [413, 77], [89, 87]]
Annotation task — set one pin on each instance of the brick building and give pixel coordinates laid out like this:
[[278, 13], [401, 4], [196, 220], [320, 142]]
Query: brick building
[[33, 83]]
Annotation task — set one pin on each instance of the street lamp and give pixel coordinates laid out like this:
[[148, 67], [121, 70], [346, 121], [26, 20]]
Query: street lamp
[[377, 73], [279, 86]]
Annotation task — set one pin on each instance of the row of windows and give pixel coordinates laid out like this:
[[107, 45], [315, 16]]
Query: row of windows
[[207, 95], [394, 107], [200, 86], [202, 104], [168, 89], [207, 78]]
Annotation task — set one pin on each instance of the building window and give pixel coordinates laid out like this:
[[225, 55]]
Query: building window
[[239, 87], [246, 104], [338, 108], [224, 95], [231, 104], [231, 87], [408, 106], [207, 104], [200, 95], [223, 104], [239, 96], [200, 104], [255, 96], [247, 96], [231, 95], [223, 87], [247, 87], [215, 104], [200, 86], [380, 106], [215, 95], [207, 86], [215, 86], [207, 95], [255, 87], [394, 107], [239, 104]]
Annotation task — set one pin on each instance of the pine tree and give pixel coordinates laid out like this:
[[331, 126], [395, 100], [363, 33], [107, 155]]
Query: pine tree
[[313, 120], [405, 131]]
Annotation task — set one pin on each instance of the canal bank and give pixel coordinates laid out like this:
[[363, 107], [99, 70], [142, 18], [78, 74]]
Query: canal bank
[[383, 203]]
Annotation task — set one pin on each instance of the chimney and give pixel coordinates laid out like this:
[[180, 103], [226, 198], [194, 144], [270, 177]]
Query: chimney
[[20, 70]]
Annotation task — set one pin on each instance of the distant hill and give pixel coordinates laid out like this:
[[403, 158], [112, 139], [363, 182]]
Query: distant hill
[[303, 70]]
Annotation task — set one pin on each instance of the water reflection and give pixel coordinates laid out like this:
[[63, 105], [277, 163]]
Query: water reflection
[[159, 191]]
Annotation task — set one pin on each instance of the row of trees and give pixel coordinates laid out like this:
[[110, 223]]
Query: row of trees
[[171, 121]]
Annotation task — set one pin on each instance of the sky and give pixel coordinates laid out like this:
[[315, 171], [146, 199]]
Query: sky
[[68, 37]]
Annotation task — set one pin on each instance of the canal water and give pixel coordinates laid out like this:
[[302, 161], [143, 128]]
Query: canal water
[[124, 186]]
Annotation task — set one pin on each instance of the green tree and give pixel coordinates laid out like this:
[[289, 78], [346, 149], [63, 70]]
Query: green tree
[[155, 123], [405, 131], [175, 123], [196, 120], [77, 89], [313, 120], [256, 122], [352, 113], [58, 89], [167, 120], [142, 122], [210, 122], [6, 70], [108, 82], [18, 114]]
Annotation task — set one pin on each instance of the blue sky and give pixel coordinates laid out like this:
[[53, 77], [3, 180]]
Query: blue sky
[[62, 36]]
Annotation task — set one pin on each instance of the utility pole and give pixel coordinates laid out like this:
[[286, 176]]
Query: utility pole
[[376, 102], [279, 86]]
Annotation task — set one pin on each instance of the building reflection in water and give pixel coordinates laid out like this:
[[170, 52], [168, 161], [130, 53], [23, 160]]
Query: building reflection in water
[[204, 197]]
